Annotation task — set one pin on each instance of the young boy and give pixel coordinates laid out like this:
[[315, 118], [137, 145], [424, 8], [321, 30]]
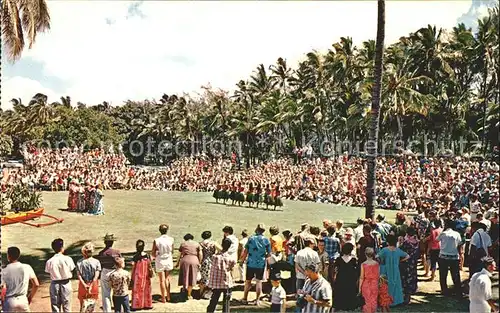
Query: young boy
[[119, 280], [278, 295]]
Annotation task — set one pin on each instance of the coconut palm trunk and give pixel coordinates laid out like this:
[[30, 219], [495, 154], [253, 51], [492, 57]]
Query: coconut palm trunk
[[372, 147]]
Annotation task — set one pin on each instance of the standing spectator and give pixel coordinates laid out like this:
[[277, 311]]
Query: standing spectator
[[409, 276], [332, 248], [324, 259], [346, 279], [383, 228], [60, 267], [390, 258], [358, 231], [434, 246], [480, 293], [163, 248], [480, 242], [241, 246], [233, 250], [368, 281], [257, 250], [303, 258], [88, 270], [107, 257], [141, 279], [278, 294], [316, 292], [16, 278], [119, 280], [340, 229], [221, 281], [449, 257], [189, 262], [208, 249], [367, 241]]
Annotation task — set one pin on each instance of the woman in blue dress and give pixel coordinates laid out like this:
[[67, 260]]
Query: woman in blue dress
[[98, 202], [390, 257]]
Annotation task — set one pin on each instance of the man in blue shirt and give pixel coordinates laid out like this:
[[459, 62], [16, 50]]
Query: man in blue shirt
[[257, 249]]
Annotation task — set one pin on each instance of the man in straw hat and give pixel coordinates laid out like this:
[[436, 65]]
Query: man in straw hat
[[256, 252], [107, 257]]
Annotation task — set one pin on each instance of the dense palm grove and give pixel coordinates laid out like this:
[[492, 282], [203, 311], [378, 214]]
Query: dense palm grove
[[438, 84]]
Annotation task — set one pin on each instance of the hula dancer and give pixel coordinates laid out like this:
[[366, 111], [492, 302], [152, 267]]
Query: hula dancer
[[224, 192], [276, 197], [267, 196], [240, 196], [250, 195], [232, 195], [217, 193], [257, 196]]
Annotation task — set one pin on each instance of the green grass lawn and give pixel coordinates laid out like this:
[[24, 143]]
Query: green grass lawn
[[133, 215]]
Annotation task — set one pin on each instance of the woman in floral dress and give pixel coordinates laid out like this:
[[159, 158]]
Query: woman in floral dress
[[409, 276], [208, 247]]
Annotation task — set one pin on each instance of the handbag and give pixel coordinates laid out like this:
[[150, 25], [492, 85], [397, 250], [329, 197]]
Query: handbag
[[88, 305]]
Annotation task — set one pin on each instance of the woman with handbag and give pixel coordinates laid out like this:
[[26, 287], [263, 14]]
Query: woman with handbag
[[142, 272], [189, 263], [88, 269]]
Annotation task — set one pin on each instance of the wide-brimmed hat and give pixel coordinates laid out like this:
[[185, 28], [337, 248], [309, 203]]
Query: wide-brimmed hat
[[110, 237]]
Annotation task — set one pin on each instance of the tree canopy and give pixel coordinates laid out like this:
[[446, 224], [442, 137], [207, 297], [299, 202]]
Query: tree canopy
[[437, 83]]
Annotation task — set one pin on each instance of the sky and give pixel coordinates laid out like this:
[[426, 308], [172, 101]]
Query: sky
[[117, 50]]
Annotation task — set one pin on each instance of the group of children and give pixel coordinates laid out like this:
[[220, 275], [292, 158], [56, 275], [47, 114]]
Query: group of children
[[238, 194]]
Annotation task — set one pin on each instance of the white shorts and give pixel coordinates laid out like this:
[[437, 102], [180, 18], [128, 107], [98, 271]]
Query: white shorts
[[163, 265]]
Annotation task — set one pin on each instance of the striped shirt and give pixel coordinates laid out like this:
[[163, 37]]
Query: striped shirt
[[320, 290], [220, 272]]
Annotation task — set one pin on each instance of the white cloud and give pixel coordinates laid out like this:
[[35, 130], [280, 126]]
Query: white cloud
[[22, 87], [138, 58]]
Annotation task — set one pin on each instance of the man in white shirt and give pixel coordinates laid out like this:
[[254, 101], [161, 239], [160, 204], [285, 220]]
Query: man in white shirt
[[60, 267], [480, 293], [480, 239], [304, 257], [16, 278], [449, 257]]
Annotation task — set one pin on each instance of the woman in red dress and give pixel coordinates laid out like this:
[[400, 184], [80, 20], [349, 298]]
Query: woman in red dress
[[141, 280]]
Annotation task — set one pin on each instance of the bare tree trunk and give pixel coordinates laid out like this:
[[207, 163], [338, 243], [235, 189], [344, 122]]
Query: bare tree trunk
[[372, 146]]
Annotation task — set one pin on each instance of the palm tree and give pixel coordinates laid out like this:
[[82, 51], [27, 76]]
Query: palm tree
[[20, 19], [375, 114]]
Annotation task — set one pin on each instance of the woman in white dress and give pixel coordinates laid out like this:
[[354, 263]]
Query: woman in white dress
[[163, 247]]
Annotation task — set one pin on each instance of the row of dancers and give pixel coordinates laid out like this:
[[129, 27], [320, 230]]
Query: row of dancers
[[238, 194], [85, 198]]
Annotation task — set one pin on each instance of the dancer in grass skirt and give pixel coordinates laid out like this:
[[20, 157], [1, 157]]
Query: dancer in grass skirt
[[224, 193], [233, 192], [267, 196], [257, 197], [217, 193], [240, 195], [276, 197], [250, 195]]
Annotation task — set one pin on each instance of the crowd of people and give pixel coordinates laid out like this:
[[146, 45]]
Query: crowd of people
[[373, 266], [402, 183]]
